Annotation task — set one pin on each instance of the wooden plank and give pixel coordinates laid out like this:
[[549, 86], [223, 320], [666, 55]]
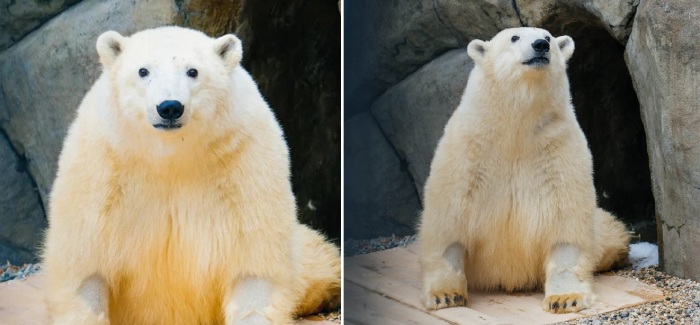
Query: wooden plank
[[396, 274], [631, 286], [363, 306], [407, 292], [22, 302]]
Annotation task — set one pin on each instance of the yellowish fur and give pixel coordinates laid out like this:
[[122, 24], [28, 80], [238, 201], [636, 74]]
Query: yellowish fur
[[510, 202], [162, 227]]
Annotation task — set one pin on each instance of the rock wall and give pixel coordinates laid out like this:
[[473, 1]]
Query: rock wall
[[49, 62], [405, 64], [19, 18], [20, 208], [662, 55]]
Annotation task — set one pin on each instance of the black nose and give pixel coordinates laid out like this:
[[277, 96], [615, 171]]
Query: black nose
[[170, 109], [540, 45]]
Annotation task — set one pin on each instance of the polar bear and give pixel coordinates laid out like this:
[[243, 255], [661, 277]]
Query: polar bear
[[510, 202], [172, 202]]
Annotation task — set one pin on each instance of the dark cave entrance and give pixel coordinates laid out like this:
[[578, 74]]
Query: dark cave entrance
[[608, 110], [292, 49]]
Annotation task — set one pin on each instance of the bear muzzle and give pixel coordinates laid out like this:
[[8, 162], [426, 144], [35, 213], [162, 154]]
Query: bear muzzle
[[537, 61], [170, 111], [541, 55]]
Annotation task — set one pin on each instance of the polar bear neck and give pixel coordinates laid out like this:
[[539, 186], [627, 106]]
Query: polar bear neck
[[522, 100]]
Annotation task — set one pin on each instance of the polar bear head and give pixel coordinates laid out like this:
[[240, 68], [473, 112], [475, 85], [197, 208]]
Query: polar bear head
[[525, 52], [164, 79]]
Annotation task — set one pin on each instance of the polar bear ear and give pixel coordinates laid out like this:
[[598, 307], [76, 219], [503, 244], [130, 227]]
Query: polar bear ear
[[109, 46], [566, 46], [230, 49], [477, 50]]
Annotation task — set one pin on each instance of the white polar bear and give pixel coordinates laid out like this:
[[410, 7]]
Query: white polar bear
[[173, 202], [510, 202]]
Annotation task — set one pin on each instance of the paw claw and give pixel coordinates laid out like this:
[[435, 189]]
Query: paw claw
[[450, 300], [450, 285], [565, 303]]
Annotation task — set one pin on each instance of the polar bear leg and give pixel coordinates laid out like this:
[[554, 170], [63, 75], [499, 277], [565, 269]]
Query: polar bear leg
[[444, 281], [316, 286], [319, 265], [612, 241], [568, 283], [86, 305], [249, 302]]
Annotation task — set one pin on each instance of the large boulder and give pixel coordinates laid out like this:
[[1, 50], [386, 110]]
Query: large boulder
[[19, 18], [662, 58], [385, 41], [380, 198], [414, 112], [21, 215]]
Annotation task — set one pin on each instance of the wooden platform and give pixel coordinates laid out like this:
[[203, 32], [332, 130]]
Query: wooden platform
[[384, 288], [22, 303]]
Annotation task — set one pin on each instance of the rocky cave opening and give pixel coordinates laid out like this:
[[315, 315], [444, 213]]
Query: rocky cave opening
[[293, 50], [608, 111]]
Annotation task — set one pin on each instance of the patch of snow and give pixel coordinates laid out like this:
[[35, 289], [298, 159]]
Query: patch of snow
[[644, 255]]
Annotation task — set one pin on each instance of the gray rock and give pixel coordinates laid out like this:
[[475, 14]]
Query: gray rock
[[19, 18], [413, 113], [46, 75], [615, 16], [380, 198], [21, 215], [391, 39], [662, 57]]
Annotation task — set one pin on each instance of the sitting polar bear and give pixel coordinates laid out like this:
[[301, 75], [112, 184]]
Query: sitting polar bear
[[510, 202], [172, 203]]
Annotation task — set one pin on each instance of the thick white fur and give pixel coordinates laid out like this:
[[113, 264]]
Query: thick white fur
[[510, 202], [189, 226]]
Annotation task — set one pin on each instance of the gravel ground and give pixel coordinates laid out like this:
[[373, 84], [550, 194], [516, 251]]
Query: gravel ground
[[334, 316], [354, 247], [681, 306], [9, 271]]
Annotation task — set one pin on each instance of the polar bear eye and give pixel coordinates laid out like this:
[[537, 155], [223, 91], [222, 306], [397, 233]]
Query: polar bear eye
[[546, 38], [514, 38], [143, 72], [192, 73]]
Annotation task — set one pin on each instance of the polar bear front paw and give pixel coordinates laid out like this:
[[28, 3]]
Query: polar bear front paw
[[564, 303], [439, 300]]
